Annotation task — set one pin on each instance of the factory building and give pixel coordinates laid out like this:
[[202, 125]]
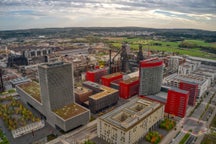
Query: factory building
[[53, 98], [102, 97], [129, 123], [193, 91], [151, 74], [107, 79], [177, 101]]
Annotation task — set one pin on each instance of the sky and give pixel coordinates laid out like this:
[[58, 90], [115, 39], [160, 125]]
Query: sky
[[25, 14]]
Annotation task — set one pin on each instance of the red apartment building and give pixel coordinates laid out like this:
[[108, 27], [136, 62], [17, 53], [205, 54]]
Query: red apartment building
[[193, 91], [177, 101]]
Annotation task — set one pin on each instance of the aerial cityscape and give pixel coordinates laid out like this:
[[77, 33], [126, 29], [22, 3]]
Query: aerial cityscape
[[107, 72]]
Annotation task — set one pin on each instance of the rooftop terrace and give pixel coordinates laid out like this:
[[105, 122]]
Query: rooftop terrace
[[33, 89], [69, 111]]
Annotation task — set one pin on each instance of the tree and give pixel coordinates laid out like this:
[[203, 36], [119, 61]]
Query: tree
[[89, 142]]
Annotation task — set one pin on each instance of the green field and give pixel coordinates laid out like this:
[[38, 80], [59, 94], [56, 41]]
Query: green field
[[186, 47]]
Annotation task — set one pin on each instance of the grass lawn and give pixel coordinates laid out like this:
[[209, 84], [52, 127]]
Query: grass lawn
[[186, 136], [167, 46], [3, 138]]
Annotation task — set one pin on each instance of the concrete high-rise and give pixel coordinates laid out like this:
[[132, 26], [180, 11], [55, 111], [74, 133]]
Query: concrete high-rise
[[151, 74], [56, 81], [54, 97]]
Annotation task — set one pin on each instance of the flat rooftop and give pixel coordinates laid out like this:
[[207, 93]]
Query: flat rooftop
[[161, 97], [112, 75], [129, 114], [54, 64], [69, 111], [81, 90], [187, 78], [105, 91], [20, 80], [130, 80], [33, 90], [117, 81]]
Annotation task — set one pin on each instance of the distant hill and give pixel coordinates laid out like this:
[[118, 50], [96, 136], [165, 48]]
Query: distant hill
[[209, 36]]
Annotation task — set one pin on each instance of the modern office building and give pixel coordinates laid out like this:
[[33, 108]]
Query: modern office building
[[177, 101], [193, 91], [56, 81], [151, 74], [130, 122], [103, 96], [54, 97]]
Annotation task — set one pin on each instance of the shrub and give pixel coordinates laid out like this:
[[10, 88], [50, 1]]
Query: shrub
[[153, 137], [167, 124]]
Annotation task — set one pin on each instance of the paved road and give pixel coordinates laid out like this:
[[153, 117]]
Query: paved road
[[178, 138], [194, 125], [88, 131]]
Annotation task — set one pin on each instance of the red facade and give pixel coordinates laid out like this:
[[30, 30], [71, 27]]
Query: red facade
[[107, 79], [128, 88], [152, 62], [177, 101], [95, 75], [193, 91]]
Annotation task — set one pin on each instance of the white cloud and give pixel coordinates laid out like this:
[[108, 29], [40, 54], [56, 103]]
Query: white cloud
[[151, 13]]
